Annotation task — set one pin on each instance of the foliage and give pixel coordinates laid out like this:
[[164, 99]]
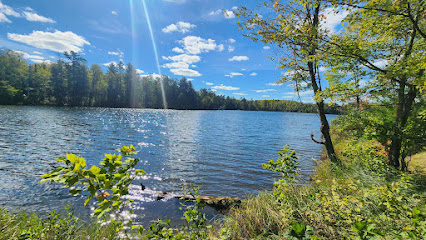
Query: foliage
[[54, 226], [361, 199], [70, 82], [375, 123], [286, 164], [107, 183], [295, 27], [366, 231], [381, 45], [299, 231], [111, 181]]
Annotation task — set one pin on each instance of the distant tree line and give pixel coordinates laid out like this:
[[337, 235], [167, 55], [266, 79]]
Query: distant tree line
[[71, 82]]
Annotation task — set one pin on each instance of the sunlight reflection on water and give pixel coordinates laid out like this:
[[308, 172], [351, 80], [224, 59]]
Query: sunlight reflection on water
[[219, 151]]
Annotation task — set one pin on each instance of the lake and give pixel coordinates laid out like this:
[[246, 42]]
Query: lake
[[221, 152]]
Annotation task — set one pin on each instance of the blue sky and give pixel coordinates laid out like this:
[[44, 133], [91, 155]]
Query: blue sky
[[194, 38]]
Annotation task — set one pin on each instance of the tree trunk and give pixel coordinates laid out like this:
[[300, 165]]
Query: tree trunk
[[405, 102], [312, 67], [325, 130], [325, 127]]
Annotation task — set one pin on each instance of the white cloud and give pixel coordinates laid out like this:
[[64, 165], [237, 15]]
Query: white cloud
[[7, 10], [322, 69], [180, 65], [197, 45], [109, 63], [34, 17], [34, 58], [253, 74], [227, 88], [231, 49], [233, 74], [275, 84], [238, 58], [266, 47], [152, 75], [214, 13], [309, 92], [182, 27], [381, 63], [292, 73], [265, 96], [176, 65], [3, 18], [28, 14], [243, 69], [231, 40], [240, 94], [209, 83], [300, 84], [117, 53], [229, 14], [178, 50], [192, 45], [139, 71], [56, 41], [333, 18], [190, 79], [186, 72], [266, 90], [114, 13], [184, 58], [226, 13], [220, 47]]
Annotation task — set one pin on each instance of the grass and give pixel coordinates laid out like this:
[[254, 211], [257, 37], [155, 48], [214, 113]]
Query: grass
[[55, 226], [418, 163]]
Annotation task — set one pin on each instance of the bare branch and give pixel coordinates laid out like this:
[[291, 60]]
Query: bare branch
[[319, 142]]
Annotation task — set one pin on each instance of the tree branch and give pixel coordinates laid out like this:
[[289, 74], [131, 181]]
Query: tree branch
[[319, 142]]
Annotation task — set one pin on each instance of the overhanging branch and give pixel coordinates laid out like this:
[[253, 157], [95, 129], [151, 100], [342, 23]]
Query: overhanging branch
[[316, 141]]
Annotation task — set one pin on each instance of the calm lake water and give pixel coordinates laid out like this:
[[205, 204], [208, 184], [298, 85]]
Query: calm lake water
[[219, 151]]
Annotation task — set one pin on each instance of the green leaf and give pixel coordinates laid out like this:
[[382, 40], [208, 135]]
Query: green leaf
[[87, 200], [95, 170]]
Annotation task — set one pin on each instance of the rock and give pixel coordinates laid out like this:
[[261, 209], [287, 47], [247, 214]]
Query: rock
[[218, 203], [162, 195]]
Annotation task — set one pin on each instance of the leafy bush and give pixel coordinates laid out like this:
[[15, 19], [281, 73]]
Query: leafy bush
[[55, 226], [107, 184]]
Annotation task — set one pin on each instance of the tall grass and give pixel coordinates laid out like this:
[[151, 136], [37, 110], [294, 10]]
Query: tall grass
[[54, 226]]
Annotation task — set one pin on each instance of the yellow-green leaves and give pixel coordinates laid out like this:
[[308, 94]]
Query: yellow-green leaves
[[286, 165], [95, 170], [107, 183]]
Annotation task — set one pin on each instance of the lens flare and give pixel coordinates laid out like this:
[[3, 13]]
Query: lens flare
[[154, 45], [156, 54]]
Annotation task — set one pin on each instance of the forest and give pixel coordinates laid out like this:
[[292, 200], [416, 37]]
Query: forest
[[70, 82]]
